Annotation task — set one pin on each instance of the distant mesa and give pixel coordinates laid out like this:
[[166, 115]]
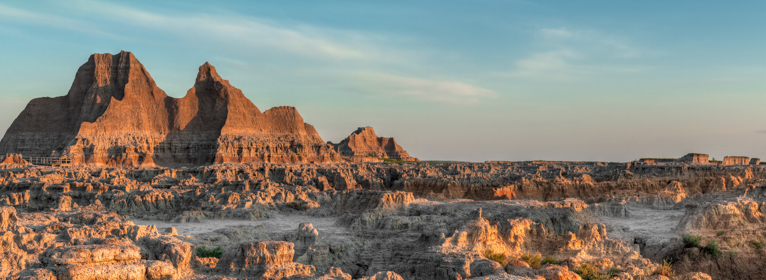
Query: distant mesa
[[363, 145], [695, 158], [736, 160], [115, 115]]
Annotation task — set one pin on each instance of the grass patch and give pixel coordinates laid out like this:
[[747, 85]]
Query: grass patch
[[712, 248], [500, 258], [203, 252], [719, 233], [613, 272], [548, 260], [589, 271], [692, 240], [534, 261], [758, 244], [664, 269], [299, 205]]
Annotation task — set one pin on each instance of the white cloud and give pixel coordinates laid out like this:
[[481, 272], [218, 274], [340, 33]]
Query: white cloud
[[573, 54], [250, 33], [449, 92], [551, 65]]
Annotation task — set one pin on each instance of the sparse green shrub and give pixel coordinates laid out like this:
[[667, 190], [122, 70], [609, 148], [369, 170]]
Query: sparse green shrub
[[613, 272], [299, 205], [500, 258], [589, 271], [203, 252], [692, 240], [719, 233], [758, 244], [712, 248], [664, 269], [548, 260], [532, 260]]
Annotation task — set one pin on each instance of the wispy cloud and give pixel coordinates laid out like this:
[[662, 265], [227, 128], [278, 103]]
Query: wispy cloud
[[449, 92], [761, 131], [240, 40], [247, 33], [572, 54]]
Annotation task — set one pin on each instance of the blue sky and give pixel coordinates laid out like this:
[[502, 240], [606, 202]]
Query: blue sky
[[458, 80]]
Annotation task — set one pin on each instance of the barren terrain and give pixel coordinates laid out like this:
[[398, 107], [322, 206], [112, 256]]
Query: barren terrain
[[408, 220]]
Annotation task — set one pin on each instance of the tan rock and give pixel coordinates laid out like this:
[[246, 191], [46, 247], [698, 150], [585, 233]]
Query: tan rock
[[114, 114], [266, 259], [383, 275], [364, 145], [735, 160], [557, 272], [86, 254], [8, 218], [15, 159], [103, 271]]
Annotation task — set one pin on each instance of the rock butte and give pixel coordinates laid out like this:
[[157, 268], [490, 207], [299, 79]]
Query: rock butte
[[363, 145], [115, 115]]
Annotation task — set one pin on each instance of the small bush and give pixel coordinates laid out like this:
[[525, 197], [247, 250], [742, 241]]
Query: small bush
[[758, 244], [500, 258], [692, 240], [713, 249], [719, 233], [589, 271], [613, 272], [665, 269], [532, 260], [299, 205], [203, 252], [548, 260]]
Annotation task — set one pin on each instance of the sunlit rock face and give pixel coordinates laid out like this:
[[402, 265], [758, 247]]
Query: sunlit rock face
[[364, 145], [115, 115]]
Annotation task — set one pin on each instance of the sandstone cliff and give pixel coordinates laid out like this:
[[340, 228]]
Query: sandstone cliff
[[364, 145], [114, 114]]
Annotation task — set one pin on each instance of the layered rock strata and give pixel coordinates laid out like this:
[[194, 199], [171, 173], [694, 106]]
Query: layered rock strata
[[736, 160], [694, 158], [115, 115], [364, 145]]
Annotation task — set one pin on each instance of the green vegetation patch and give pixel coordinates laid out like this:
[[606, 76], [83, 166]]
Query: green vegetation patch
[[500, 258], [204, 252], [534, 261], [712, 248], [548, 260], [692, 241]]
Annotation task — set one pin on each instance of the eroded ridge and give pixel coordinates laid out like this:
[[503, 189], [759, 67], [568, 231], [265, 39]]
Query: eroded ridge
[[115, 115]]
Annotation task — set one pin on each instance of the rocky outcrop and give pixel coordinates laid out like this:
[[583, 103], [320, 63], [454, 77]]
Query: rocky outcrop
[[694, 158], [364, 145], [263, 260], [755, 161], [735, 160], [115, 115], [12, 159]]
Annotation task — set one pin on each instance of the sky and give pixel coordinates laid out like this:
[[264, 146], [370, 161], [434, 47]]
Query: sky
[[450, 80]]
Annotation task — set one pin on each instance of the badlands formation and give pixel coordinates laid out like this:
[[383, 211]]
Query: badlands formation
[[209, 187], [363, 145]]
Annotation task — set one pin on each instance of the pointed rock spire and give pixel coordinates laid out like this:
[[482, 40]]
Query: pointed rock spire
[[206, 71]]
